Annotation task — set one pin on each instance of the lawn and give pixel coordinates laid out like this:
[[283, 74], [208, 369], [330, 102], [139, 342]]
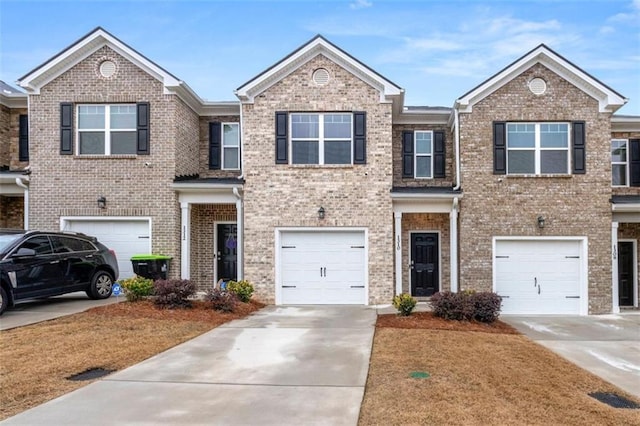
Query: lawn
[[491, 376], [478, 374]]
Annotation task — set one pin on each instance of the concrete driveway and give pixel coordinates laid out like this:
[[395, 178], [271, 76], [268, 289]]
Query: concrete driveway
[[37, 310], [605, 345], [281, 366]]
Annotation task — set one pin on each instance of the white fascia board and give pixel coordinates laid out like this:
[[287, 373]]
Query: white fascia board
[[626, 207], [220, 108], [625, 124], [200, 187], [423, 196], [14, 100], [318, 46], [608, 100], [424, 117]]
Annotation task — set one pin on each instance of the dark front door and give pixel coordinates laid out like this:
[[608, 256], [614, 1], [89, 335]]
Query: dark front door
[[424, 264], [227, 251], [625, 273]]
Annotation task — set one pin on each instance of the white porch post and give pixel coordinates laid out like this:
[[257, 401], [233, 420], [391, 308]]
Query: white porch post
[[614, 269], [397, 216], [185, 241], [240, 239], [453, 245]]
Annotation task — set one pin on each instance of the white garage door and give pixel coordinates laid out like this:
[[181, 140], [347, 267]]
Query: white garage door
[[322, 267], [125, 237], [538, 277]]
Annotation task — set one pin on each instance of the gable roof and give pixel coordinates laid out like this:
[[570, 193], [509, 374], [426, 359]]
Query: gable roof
[[608, 99], [314, 47]]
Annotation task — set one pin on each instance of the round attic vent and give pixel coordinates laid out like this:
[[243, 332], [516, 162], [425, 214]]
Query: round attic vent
[[107, 68], [537, 86], [321, 76]]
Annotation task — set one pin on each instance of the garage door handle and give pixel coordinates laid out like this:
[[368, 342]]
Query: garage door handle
[[143, 236], [572, 297], [504, 297], [572, 257], [357, 286], [288, 286]]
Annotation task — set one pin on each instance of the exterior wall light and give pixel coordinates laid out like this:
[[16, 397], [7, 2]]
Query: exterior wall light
[[102, 203], [321, 213], [540, 222]]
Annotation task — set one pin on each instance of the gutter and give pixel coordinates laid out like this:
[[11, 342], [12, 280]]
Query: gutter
[[22, 185], [456, 135], [240, 234]]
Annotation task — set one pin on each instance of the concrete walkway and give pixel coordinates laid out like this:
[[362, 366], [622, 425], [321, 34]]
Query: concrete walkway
[[280, 366], [605, 345]]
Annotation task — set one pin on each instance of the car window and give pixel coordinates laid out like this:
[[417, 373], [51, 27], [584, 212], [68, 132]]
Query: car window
[[70, 244], [6, 239], [40, 244]]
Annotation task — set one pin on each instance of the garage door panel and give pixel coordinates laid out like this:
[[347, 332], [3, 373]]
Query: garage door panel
[[322, 267], [538, 276]]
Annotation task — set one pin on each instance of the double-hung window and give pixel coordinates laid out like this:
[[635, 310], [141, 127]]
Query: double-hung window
[[107, 130], [321, 138], [538, 148], [423, 154], [230, 146], [619, 162]]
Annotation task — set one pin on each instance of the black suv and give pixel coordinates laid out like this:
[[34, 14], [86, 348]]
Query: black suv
[[42, 264]]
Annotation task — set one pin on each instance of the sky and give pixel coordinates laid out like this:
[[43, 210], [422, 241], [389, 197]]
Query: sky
[[436, 50]]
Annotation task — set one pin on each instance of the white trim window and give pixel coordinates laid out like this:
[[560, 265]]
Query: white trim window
[[230, 146], [423, 154], [538, 148], [619, 162], [106, 130], [321, 138]]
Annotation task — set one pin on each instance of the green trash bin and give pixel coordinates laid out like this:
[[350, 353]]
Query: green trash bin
[[154, 266]]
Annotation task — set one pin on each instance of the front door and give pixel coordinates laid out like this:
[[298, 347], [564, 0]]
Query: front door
[[424, 264], [226, 254], [625, 273]]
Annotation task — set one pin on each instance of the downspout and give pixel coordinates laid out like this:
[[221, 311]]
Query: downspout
[[241, 142], [240, 237], [456, 135], [22, 185]]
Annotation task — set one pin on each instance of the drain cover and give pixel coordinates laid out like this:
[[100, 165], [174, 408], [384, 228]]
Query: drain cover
[[614, 400], [90, 374], [419, 375]]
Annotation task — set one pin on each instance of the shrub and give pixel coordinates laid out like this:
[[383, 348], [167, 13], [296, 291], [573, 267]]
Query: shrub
[[173, 293], [404, 303], [137, 288], [220, 300], [243, 289], [466, 305]]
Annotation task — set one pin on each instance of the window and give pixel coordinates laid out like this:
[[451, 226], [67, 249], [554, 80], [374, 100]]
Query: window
[[321, 138], [40, 244], [423, 154], [70, 244], [619, 162], [537, 148], [230, 146], [107, 129]]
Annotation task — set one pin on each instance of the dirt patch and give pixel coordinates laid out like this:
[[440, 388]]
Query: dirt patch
[[36, 360], [495, 376]]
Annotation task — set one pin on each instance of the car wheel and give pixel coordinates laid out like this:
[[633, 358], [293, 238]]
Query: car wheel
[[101, 285], [4, 300]]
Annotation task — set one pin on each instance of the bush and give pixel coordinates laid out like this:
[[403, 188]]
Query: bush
[[173, 293], [466, 305], [137, 288], [243, 289], [220, 300], [404, 303]]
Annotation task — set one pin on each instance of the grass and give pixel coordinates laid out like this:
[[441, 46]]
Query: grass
[[486, 377], [478, 374]]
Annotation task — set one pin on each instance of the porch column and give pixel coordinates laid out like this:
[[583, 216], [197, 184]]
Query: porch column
[[453, 245], [185, 241], [240, 238], [397, 217], [614, 269]]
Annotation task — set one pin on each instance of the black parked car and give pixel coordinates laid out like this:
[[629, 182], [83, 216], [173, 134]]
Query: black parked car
[[41, 264]]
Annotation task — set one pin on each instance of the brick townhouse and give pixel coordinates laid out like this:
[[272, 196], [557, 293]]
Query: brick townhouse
[[321, 187]]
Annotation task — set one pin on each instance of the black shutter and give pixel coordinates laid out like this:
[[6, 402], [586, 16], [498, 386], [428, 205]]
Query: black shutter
[[23, 138], [282, 149], [499, 148], [634, 162], [215, 145], [579, 151], [143, 128], [66, 128], [439, 157], [407, 154], [359, 138]]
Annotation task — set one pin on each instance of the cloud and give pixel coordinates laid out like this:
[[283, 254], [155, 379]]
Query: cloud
[[632, 17], [360, 4], [607, 29]]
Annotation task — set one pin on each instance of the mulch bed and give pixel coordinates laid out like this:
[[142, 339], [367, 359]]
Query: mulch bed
[[427, 320]]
